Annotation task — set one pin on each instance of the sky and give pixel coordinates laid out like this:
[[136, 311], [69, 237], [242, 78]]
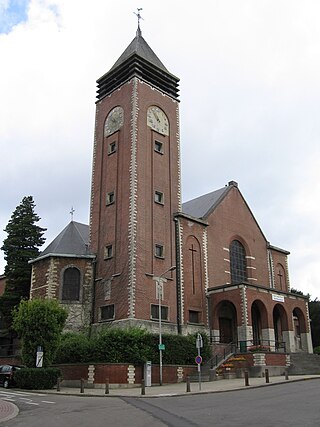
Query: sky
[[249, 111]]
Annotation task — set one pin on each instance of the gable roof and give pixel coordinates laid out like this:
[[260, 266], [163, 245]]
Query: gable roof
[[73, 241], [203, 206], [200, 207]]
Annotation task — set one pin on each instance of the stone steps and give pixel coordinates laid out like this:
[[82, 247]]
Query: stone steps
[[304, 364]]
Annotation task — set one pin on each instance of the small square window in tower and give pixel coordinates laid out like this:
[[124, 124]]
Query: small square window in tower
[[112, 147], [159, 197], [155, 312], [158, 147], [110, 198], [107, 312], [108, 252], [194, 316], [159, 251]]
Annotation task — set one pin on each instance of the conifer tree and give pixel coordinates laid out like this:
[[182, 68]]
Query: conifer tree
[[24, 237]]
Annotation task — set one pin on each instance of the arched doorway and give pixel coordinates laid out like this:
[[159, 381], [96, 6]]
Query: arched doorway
[[259, 321], [299, 326], [227, 316], [280, 324]]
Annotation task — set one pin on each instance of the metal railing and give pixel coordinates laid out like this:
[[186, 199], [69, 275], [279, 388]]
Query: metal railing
[[264, 346], [224, 352]]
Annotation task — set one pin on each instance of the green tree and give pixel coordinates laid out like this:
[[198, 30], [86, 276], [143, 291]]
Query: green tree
[[24, 237], [39, 322]]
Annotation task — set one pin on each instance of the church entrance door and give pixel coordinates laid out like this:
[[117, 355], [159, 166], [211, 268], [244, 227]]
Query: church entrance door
[[227, 323], [256, 325], [299, 327], [280, 324]]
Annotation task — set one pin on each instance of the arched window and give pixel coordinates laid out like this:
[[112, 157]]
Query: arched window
[[238, 262], [71, 284]]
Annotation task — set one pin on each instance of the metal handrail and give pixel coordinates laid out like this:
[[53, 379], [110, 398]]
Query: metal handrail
[[247, 346], [261, 345], [218, 359]]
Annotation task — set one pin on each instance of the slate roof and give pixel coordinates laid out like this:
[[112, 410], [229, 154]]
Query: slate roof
[[73, 241], [141, 48], [200, 207], [138, 59]]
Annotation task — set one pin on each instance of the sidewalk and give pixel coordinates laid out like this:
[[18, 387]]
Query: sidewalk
[[8, 410], [180, 389]]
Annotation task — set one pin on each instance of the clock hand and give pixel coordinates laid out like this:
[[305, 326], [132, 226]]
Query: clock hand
[[156, 116]]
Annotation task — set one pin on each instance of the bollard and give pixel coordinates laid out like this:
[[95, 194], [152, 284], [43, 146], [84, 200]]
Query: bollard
[[107, 386], [82, 385], [246, 378], [188, 384], [286, 374], [58, 383], [267, 375], [143, 387]]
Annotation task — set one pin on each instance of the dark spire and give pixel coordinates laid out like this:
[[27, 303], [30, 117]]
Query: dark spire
[[140, 47], [138, 59]]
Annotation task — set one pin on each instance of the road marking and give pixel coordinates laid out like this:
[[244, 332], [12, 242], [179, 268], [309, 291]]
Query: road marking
[[46, 401], [32, 403]]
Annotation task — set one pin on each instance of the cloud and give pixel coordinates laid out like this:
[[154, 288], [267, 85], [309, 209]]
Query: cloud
[[249, 106]]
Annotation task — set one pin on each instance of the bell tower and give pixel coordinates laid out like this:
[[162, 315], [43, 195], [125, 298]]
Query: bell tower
[[135, 188]]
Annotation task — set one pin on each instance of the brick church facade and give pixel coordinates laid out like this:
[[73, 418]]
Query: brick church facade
[[228, 281]]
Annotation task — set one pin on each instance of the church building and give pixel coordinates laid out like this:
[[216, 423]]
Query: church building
[[219, 273]]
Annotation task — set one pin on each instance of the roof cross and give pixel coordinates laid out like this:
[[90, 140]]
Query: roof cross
[[138, 16], [71, 213]]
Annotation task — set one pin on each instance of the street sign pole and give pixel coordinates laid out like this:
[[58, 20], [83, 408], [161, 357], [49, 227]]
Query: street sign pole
[[199, 370], [199, 345]]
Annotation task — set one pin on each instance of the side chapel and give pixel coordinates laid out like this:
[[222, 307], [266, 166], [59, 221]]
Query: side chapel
[[228, 281]]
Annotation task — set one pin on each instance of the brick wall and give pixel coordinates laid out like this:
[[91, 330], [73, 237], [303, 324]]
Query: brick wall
[[118, 373]]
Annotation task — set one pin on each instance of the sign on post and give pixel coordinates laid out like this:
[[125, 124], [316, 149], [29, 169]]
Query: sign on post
[[199, 345], [198, 360], [199, 342], [39, 359]]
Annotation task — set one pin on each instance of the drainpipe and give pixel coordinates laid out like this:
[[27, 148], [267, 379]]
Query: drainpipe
[[94, 273]]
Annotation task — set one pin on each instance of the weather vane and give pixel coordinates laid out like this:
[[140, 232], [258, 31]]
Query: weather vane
[[138, 15], [71, 213]]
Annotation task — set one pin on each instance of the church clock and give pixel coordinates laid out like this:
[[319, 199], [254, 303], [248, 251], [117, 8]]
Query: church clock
[[114, 121], [157, 120]]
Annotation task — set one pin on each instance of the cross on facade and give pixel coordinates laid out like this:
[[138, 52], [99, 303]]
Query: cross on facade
[[280, 278], [193, 267]]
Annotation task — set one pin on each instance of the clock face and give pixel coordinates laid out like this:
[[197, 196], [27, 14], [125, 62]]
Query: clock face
[[157, 120], [114, 121]]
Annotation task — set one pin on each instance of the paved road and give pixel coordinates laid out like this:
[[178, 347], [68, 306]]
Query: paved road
[[41, 410], [294, 404]]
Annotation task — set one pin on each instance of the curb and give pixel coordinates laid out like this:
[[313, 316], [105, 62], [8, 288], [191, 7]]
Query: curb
[[8, 410], [177, 394]]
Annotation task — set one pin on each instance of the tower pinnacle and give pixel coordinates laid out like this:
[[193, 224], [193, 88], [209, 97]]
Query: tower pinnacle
[[139, 19]]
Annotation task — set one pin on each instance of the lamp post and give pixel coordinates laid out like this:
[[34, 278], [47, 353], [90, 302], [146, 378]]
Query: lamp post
[[159, 280]]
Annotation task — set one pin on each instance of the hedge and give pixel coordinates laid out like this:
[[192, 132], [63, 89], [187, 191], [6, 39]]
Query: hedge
[[132, 345], [37, 378]]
